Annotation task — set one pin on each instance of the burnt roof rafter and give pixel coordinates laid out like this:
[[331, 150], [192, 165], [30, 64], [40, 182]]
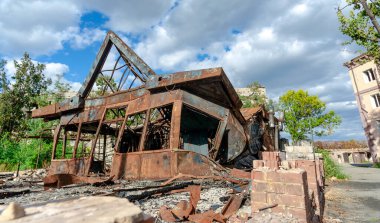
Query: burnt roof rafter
[[138, 67]]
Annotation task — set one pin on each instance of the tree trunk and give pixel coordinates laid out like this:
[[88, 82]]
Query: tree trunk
[[370, 15]]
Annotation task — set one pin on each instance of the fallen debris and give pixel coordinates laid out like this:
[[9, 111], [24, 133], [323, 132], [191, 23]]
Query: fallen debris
[[146, 193], [6, 175], [232, 205], [268, 206], [60, 180], [221, 178], [207, 217], [11, 193], [183, 209], [186, 211]]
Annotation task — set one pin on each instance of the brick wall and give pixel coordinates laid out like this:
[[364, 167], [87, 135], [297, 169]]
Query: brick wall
[[314, 179], [286, 188], [271, 159]]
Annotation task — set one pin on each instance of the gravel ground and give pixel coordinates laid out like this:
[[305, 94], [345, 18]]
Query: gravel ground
[[354, 200], [213, 196], [268, 217]]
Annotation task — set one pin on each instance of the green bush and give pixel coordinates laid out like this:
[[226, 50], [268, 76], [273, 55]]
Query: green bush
[[25, 152], [332, 169]]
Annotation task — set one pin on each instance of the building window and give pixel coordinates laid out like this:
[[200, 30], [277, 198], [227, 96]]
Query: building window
[[375, 100], [369, 75]]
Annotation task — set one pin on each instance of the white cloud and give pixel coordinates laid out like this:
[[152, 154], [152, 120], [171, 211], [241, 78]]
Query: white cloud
[[80, 39], [299, 9], [35, 26], [42, 27], [53, 71], [130, 15], [282, 44], [266, 34], [170, 61]]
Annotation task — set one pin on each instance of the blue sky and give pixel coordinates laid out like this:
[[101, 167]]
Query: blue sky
[[288, 44]]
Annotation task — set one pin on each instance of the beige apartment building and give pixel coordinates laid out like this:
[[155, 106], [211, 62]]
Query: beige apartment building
[[365, 78]]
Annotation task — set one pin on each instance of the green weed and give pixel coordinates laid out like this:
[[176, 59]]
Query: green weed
[[332, 169]]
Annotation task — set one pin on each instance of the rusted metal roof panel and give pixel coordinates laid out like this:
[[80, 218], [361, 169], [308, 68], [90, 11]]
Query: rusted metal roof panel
[[249, 112], [192, 79]]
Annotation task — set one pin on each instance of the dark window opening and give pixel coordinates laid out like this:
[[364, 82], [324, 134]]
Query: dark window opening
[[158, 129], [197, 131], [132, 133]]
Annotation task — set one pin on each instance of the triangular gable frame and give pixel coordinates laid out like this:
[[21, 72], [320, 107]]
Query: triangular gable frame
[[126, 53]]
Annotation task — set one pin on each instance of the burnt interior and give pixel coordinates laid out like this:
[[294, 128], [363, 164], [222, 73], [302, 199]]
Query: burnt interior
[[197, 130]]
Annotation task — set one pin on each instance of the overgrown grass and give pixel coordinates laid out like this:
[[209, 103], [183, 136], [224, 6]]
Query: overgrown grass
[[332, 169]]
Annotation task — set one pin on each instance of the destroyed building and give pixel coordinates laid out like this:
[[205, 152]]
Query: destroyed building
[[187, 122]]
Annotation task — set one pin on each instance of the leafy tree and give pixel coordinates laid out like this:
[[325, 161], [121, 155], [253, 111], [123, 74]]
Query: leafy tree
[[3, 78], [28, 89], [21, 95], [361, 24], [305, 113], [30, 81], [256, 97], [105, 83], [60, 88]]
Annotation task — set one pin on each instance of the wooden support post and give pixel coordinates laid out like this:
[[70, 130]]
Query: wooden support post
[[55, 142], [77, 140], [143, 135], [175, 126]]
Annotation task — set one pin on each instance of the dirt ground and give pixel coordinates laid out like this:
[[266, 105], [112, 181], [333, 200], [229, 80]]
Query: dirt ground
[[356, 199]]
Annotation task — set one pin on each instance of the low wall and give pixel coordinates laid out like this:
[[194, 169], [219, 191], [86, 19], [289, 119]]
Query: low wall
[[288, 189], [277, 181]]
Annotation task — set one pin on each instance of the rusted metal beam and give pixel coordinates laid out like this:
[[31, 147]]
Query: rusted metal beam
[[77, 140], [131, 55], [218, 137], [55, 142], [143, 135], [64, 143], [175, 125], [96, 67], [121, 132]]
